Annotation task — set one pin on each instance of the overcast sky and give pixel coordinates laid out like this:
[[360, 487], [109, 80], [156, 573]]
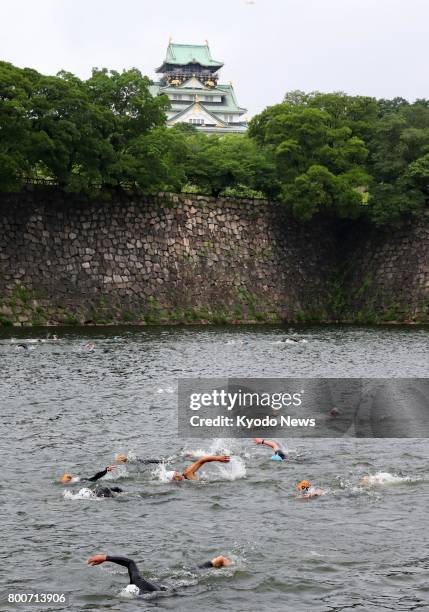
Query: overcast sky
[[371, 47]]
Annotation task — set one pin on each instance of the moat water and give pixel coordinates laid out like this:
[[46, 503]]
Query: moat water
[[66, 408]]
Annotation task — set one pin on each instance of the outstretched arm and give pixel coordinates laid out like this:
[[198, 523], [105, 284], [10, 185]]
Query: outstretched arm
[[133, 572], [190, 472], [269, 443], [99, 475]]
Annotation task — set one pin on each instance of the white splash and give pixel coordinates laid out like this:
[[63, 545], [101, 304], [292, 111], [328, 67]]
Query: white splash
[[83, 493], [120, 471], [194, 454], [384, 478], [233, 470], [162, 474], [131, 591], [219, 446]]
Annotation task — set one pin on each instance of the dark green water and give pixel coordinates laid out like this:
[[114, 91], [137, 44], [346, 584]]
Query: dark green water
[[65, 408]]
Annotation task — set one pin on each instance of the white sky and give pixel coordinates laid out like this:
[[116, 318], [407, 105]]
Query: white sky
[[372, 47]]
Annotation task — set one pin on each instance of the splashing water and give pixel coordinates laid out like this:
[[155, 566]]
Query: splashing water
[[161, 473], [233, 470], [131, 591], [120, 471], [83, 493], [385, 478], [132, 455], [219, 446]]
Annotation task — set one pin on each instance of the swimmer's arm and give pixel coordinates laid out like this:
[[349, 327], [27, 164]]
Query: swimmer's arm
[[190, 471], [96, 476], [131, 566], [269, 443], [134, 574], [99, 475], [128, 563]]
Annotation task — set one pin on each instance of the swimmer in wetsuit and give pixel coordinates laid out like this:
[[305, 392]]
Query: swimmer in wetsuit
[[69, 479], [190, 472], [120, 458], [279, 455], [98, 490], [137, 579]]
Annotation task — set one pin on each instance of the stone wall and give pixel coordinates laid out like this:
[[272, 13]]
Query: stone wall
[[387, 273], [177, 258], [64, 259]]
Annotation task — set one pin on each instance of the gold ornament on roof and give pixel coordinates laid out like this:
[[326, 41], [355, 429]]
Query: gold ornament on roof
[[209, 83]]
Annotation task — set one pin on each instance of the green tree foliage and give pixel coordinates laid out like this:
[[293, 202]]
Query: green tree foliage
[[82, 134], [320, 157], [219, 163], [348, 156], [319, 153], [399, 148]]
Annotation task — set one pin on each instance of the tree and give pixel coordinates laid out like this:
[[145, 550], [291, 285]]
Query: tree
[[398, 161], [82, 134], [319, 159], [216, 163]]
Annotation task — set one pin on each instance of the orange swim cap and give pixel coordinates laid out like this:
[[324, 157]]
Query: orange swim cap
[[303, 485], [121, 458], [66, 478]]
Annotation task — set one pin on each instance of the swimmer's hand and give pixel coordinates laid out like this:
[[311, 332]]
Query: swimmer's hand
[[258, 440], [110, 468], [97, 559], [223, 458], [221, 561]]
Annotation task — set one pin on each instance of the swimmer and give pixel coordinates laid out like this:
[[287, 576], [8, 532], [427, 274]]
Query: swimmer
[[307, 490], [98, 490], [22, 346], [365, 481], [190, 472], [106, 491], [69, 479], [90, 346], [120, 458], [137, 579], [279, 455]]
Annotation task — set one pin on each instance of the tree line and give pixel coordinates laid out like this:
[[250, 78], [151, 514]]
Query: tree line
[[317, 153]]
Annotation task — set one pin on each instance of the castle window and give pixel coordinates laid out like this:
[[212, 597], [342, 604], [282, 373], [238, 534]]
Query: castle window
[[196, 121]]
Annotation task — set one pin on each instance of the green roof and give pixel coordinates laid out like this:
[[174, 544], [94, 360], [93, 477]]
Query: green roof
[[181, 55]]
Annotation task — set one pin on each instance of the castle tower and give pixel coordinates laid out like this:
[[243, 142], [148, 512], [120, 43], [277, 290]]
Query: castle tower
[[189, 77]]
